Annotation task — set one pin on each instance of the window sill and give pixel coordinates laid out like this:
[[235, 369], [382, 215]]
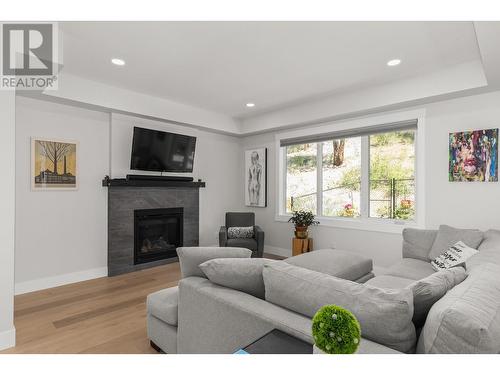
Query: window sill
[[366, 224]]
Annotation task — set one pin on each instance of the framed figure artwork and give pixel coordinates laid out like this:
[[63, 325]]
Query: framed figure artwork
[[256, 177]]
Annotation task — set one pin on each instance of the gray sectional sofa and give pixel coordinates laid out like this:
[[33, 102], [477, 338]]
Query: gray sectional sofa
[[200, 316]]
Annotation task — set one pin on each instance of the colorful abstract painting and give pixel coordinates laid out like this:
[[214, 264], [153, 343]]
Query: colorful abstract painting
[[474, 156]]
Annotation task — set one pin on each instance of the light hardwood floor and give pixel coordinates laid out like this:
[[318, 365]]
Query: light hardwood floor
[[105, 315]]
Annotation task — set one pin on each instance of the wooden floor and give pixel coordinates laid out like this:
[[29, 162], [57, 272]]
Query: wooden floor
[[105, 315]]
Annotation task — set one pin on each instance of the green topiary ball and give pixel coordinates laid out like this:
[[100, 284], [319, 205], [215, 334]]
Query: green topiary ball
[[336, 330]]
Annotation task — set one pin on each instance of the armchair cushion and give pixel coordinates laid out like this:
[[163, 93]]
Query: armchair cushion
[[247, 243]]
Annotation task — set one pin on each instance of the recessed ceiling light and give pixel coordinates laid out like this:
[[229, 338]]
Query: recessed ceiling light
[[119, 62], [250, 105], [394, 62]]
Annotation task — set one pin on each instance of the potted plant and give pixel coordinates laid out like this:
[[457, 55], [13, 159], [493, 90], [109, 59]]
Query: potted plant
[[335, 330], [302, 221]]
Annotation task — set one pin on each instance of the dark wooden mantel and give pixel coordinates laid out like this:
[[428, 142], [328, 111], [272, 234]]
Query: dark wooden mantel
[[123, 182]]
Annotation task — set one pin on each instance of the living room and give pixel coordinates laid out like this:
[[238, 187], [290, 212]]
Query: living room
[[361, 167]]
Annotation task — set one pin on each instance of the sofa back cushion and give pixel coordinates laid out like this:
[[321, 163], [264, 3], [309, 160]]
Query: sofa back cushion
[[431, 289], [467, 318], [244, 275], [448, 236], [417, 243], [385, 316], [339, 263], [489, 250], [190, 258]]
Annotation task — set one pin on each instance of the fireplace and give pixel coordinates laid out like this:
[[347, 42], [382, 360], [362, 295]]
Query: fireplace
[[158, 232]]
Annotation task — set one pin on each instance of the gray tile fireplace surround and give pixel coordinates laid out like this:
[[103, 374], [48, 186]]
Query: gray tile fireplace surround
[[123, 200]]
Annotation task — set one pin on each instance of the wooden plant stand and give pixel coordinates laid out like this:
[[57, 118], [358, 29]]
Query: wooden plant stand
[[300, 246]]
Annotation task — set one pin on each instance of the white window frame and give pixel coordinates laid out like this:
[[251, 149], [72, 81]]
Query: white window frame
[[364, 222]]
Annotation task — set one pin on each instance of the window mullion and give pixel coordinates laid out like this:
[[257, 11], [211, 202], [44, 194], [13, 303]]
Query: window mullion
[[284, 178], [365, 176], [319, 179]]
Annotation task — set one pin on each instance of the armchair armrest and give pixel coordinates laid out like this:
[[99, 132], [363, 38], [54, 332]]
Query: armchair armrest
[[223, 236], [259, 237]]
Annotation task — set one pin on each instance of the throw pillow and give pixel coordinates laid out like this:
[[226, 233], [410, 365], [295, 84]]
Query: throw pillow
[[240, 232], [448, 236], [244, 275], [191, 257], [456, 255], [428, 291], [385, 316]]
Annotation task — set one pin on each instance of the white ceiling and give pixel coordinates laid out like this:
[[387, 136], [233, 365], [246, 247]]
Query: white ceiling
[[220, 66]]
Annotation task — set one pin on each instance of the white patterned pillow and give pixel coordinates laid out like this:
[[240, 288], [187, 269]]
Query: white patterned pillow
[[240, 232], [456, 255]]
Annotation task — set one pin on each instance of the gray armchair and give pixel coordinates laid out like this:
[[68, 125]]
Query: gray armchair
[[243, 219]]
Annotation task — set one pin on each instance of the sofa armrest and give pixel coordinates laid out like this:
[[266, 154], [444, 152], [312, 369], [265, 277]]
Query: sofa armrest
[[259, 237], [223, 236]]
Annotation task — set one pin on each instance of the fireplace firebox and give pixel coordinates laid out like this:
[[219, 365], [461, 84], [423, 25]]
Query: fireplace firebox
[[158, 232]]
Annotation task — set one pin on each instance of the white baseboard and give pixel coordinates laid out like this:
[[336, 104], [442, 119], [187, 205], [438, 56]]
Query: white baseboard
[[53, 281], [278, 251], [8, 339]]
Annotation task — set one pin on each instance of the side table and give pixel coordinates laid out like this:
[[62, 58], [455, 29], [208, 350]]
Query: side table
[[300, 246]]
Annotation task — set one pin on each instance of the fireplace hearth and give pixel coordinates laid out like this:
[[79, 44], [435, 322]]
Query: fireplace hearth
[[157, 234]]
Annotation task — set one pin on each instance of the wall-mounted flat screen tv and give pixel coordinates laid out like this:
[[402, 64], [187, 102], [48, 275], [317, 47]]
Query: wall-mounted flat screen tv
[[158, 151]]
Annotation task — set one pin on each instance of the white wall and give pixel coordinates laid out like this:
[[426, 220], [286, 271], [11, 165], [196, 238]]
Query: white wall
[[7, 222], [116, 99], [468, 205], [217, 162], [61, 236]]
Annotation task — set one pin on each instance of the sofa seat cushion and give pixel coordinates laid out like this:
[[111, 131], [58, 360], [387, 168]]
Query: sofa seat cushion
[[247, 243], [448, 236], [409, 268], [164, 305], [339, 263], [190, 258], [389, 282], [489, 250], [385, 316], [467, 318]]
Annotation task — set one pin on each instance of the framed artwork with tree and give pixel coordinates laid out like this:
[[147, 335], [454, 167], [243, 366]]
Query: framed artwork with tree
[[54, 164]]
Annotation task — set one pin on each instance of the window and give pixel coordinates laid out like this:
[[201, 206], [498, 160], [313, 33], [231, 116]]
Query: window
[[367, 175], [392, 175], [301, 178], [342, 177]]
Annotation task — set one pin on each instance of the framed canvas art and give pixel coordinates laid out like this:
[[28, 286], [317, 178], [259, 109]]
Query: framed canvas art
[[54, 164], [473, 156], [256, 177]]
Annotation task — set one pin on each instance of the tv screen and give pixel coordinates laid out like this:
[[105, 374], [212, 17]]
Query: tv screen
[[154, 150]]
